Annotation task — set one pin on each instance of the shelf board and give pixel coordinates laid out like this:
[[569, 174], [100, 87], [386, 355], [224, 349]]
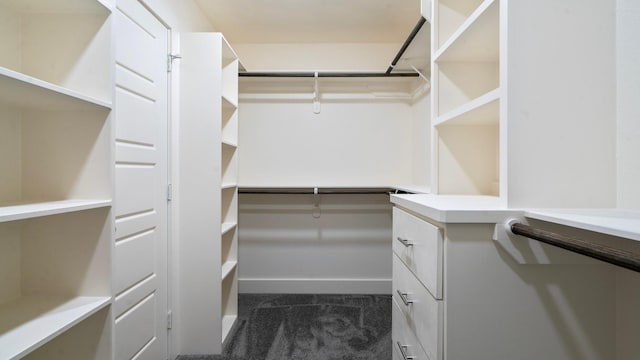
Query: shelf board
[[228, 103], [477, 39], [484, 110], [57, 6], [227, 268], [29, 322], [227, 324], [20, 90], [29, 210], [228, 186], [227, 227], [229, 144]]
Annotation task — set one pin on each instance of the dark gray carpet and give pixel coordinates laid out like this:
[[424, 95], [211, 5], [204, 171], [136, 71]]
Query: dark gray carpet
[[309, 327]]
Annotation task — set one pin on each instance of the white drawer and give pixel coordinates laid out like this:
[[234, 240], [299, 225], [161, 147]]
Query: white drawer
[[421, 312], [404, 341], [419, 245]]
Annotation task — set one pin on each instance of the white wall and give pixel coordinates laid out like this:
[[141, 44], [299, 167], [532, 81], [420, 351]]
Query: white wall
[[183, 15], [421, 141], [316, 57], [287, 246], [351, 143], [628, 165], [628, 104]]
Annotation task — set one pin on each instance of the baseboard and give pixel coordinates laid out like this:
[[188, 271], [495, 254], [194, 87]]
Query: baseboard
[[314, 286]]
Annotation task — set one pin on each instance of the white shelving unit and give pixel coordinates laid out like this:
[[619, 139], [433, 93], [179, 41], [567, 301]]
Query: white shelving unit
[[55, 179], [209, 83], [229, 189], [509, 97], [466, 97]]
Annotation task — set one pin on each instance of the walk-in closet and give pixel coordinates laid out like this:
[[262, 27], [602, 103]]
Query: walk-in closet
[[292, 180]]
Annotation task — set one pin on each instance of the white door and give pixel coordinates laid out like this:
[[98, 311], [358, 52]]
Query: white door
[[140, 269]]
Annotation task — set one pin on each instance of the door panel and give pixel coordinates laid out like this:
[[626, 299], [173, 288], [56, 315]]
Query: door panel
[[140, 275]]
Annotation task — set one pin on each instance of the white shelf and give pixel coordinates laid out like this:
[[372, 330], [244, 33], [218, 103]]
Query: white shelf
[[227, 325], [25, 91], [57, 6], [229, 186], [229, 144], [227, 268], [228, 226], [615, 222], [477, 39], [37, 209], [483, 110], [29, 322]]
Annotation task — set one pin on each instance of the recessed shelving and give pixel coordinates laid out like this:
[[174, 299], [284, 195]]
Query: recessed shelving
[[29, 322]]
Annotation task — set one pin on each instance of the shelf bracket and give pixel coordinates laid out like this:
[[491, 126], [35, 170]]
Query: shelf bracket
[[316, 94]]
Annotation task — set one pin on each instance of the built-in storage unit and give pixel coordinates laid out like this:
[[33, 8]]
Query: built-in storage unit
[[510, 94], [208, 191], [55, 179]]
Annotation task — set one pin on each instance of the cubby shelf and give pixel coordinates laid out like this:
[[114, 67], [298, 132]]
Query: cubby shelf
[[227, 227], [37, 209], [476, 39], [29, 322], [24, 91], [227, 268], [483, 110], [227, 324]]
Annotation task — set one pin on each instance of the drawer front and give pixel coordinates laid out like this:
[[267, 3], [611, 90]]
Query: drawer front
[[405, 345], [419, 245], [420, 311]]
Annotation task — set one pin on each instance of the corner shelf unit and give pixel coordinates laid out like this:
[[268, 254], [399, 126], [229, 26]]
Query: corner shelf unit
[[209, 71], [55, 179], [466, 97]]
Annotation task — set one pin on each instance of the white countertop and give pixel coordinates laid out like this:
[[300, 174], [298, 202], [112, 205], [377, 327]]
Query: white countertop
[[616, 222], [491, 209], [457, 208]]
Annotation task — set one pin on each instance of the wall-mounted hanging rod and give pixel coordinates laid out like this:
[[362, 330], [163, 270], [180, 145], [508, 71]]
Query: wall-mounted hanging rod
[[324, 74], [316, 190], [406, 44], [626, 259]]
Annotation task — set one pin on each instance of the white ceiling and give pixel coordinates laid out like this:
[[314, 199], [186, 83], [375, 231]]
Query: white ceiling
[[313, 21]]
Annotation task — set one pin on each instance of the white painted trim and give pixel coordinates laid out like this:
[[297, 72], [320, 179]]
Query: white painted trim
[[314, 286]]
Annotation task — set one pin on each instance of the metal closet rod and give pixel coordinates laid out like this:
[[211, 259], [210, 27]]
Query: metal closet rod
[[316, 190], [406, 44], [326, 74], [626, 259]]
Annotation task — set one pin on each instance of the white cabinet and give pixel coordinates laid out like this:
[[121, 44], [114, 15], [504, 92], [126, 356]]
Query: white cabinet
[[208, 191], [55, 179], [493, 304]]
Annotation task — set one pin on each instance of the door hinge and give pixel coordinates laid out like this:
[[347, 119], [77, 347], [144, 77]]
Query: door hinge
[[170, 58], [169, 192], [169, 320]]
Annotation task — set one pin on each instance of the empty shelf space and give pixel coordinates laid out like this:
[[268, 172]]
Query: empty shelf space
[[30, 322], [228, 226], [37, 209], [477, 39], [23, 91], [483, 110], [227, 268], [227, 324]]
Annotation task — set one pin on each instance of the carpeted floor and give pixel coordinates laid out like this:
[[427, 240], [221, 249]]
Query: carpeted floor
[[309, 327]]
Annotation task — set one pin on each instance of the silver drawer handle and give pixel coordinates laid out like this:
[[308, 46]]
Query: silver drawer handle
[[405, 298], [403, 351], [404, 242]]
